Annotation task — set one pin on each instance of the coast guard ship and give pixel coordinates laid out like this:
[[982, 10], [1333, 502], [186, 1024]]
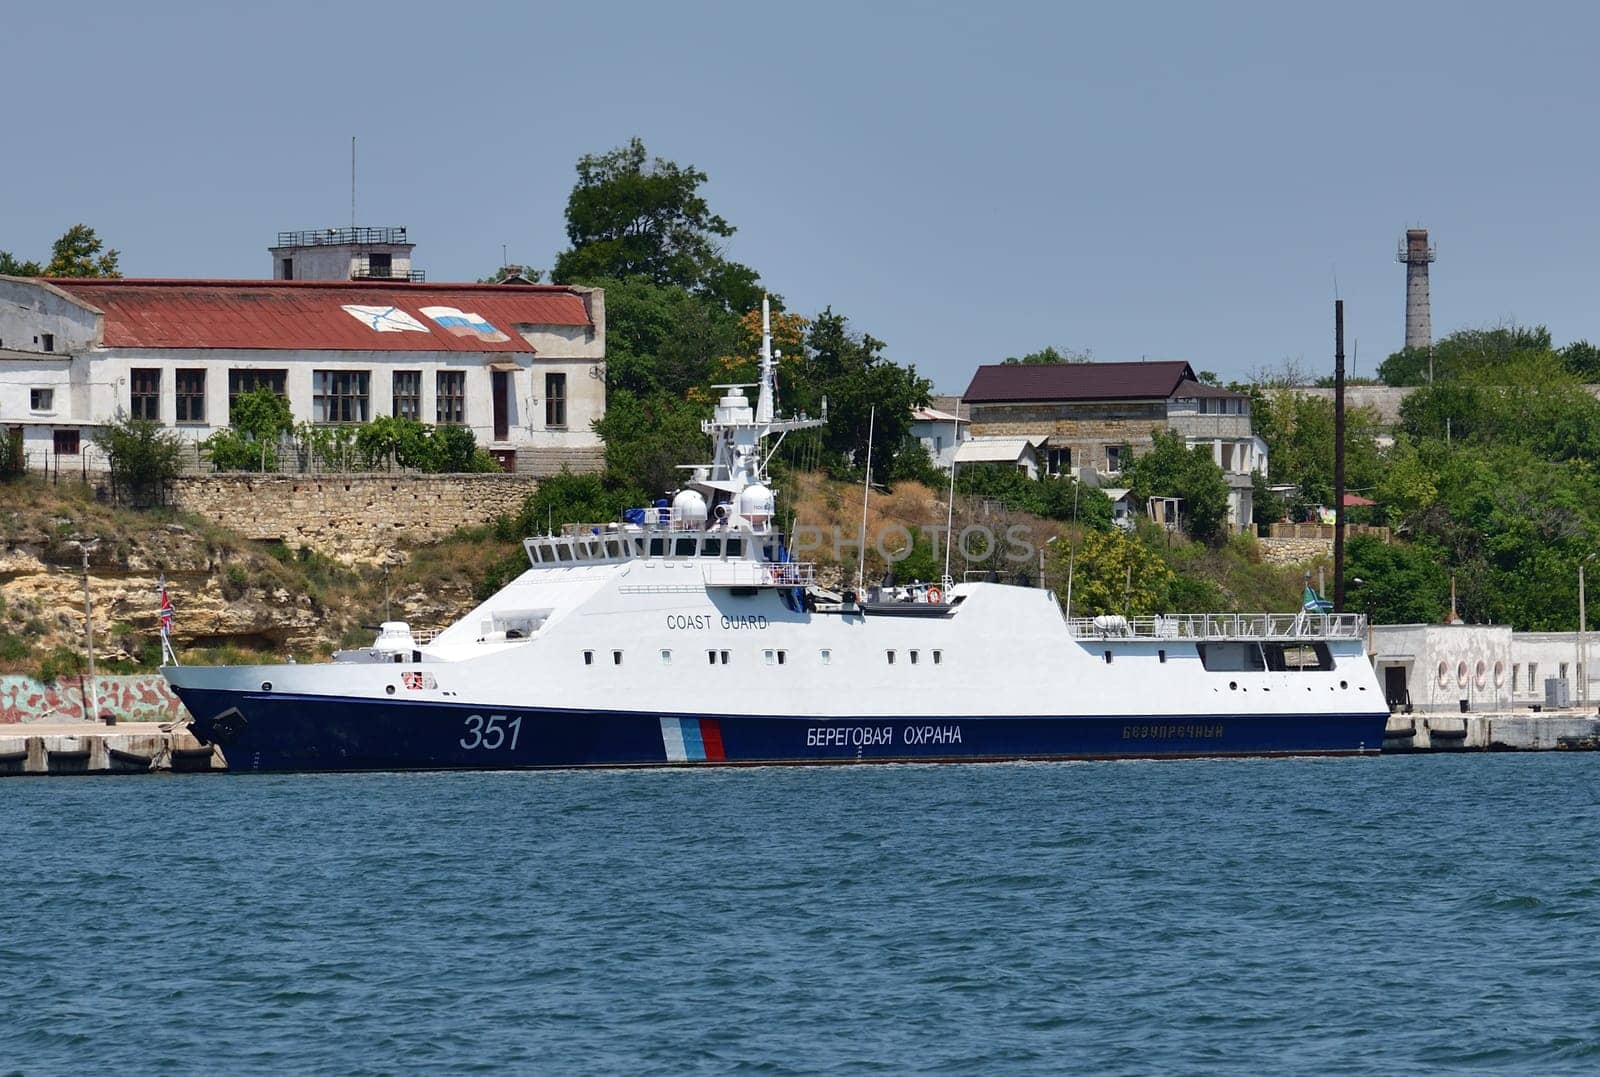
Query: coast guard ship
[[685, 635]]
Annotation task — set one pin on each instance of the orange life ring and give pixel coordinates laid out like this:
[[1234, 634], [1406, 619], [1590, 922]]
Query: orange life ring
[[935, 596]]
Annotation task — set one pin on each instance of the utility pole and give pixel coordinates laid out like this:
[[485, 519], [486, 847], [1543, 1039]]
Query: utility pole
[[1338, 456], [88, 627]]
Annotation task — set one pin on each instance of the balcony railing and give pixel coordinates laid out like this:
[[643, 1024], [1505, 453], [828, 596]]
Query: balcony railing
[[367, 272], [334, 237]]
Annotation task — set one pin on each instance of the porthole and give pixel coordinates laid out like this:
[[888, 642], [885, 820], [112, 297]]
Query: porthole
[[1344, 684], [389, 688], [1233, 686], [266, 686]]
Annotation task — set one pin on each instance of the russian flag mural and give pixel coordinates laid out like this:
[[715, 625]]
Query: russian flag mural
[[464, 324], [692, 740]]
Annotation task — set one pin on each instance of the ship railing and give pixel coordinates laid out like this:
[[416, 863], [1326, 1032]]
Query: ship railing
[[1222, 626], [745, 573], [421, 636]]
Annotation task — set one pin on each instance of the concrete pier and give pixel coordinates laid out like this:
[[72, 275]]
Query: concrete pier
[[92, 748], [1508, 731]]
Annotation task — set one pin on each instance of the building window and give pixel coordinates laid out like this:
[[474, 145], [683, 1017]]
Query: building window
[[42, 399], [1516, 676], [288, 269], [1058, 461], [47, 341], [1533, 676], [379, 265], [189, 389], [555, 400], [408, 394], [1114, 459], [1563, 674], [144, 392], [452, 406], [339, 396], [248, 381], [66, 443]]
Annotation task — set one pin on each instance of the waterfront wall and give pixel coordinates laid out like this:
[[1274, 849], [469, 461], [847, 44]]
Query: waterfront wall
[[141, 697], [353, 518]]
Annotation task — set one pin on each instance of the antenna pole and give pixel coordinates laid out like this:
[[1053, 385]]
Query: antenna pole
[[866, 495], [1338, 455], [352, 181], [950, 509]]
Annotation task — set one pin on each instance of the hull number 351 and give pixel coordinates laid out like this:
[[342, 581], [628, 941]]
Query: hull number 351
[[495, 731]]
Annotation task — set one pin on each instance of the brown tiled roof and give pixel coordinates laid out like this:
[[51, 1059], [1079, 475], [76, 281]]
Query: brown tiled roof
[[341, 315], [1002, 383]]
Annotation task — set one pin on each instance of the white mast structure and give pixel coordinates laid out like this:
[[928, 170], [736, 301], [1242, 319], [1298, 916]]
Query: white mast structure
[[737, 475]]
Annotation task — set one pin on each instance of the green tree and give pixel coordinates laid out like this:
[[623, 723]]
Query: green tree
[[1464, 352], [1050, 354], [570, 498], [648, 435], [77, 254], [1114, 572], [1172, 469], [631, 215], [863, 389], [1298, 430], [1582, 360], [144, 458], [1399, 583], [11, 266]]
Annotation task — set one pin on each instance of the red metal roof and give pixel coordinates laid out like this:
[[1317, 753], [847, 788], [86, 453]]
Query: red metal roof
[[313, 314], [1003, 383]]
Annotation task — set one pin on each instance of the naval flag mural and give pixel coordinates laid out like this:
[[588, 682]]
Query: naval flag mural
[[384, 319], [465, 324]]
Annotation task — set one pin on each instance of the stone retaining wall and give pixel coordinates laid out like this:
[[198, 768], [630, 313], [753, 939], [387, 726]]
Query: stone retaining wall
[[351, 517], [1294, 551]]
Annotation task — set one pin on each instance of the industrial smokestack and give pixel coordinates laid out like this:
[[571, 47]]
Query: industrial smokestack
[[1416, 254]]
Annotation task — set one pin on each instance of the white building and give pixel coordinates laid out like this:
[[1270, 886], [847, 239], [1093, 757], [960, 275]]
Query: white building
[[1443, 667], [940, 432], [522, 366], [1020, 453]]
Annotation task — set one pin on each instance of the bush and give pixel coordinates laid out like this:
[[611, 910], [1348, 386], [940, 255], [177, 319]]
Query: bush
[[144, 457]]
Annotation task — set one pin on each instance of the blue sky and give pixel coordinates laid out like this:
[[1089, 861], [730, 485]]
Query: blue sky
[[964, 182]]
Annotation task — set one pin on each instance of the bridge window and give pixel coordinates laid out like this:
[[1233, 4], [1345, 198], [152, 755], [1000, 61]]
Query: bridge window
[[827, 656], [588, 658], [658, 547], [711, 547], [616, 658], [890, 655], [914, 657], [938, 657], [735, 547], [666, 657], [684, 547]]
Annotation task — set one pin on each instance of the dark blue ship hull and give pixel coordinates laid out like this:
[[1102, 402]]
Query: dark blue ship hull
[[278, 732]]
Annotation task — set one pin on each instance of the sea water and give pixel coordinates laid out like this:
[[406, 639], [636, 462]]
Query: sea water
[[1392, 915]]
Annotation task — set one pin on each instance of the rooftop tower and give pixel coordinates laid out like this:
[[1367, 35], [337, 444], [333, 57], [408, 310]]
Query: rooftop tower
[[344, 254]]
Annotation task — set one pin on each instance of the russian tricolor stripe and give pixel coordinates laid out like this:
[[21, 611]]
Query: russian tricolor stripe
[[692, 740]]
